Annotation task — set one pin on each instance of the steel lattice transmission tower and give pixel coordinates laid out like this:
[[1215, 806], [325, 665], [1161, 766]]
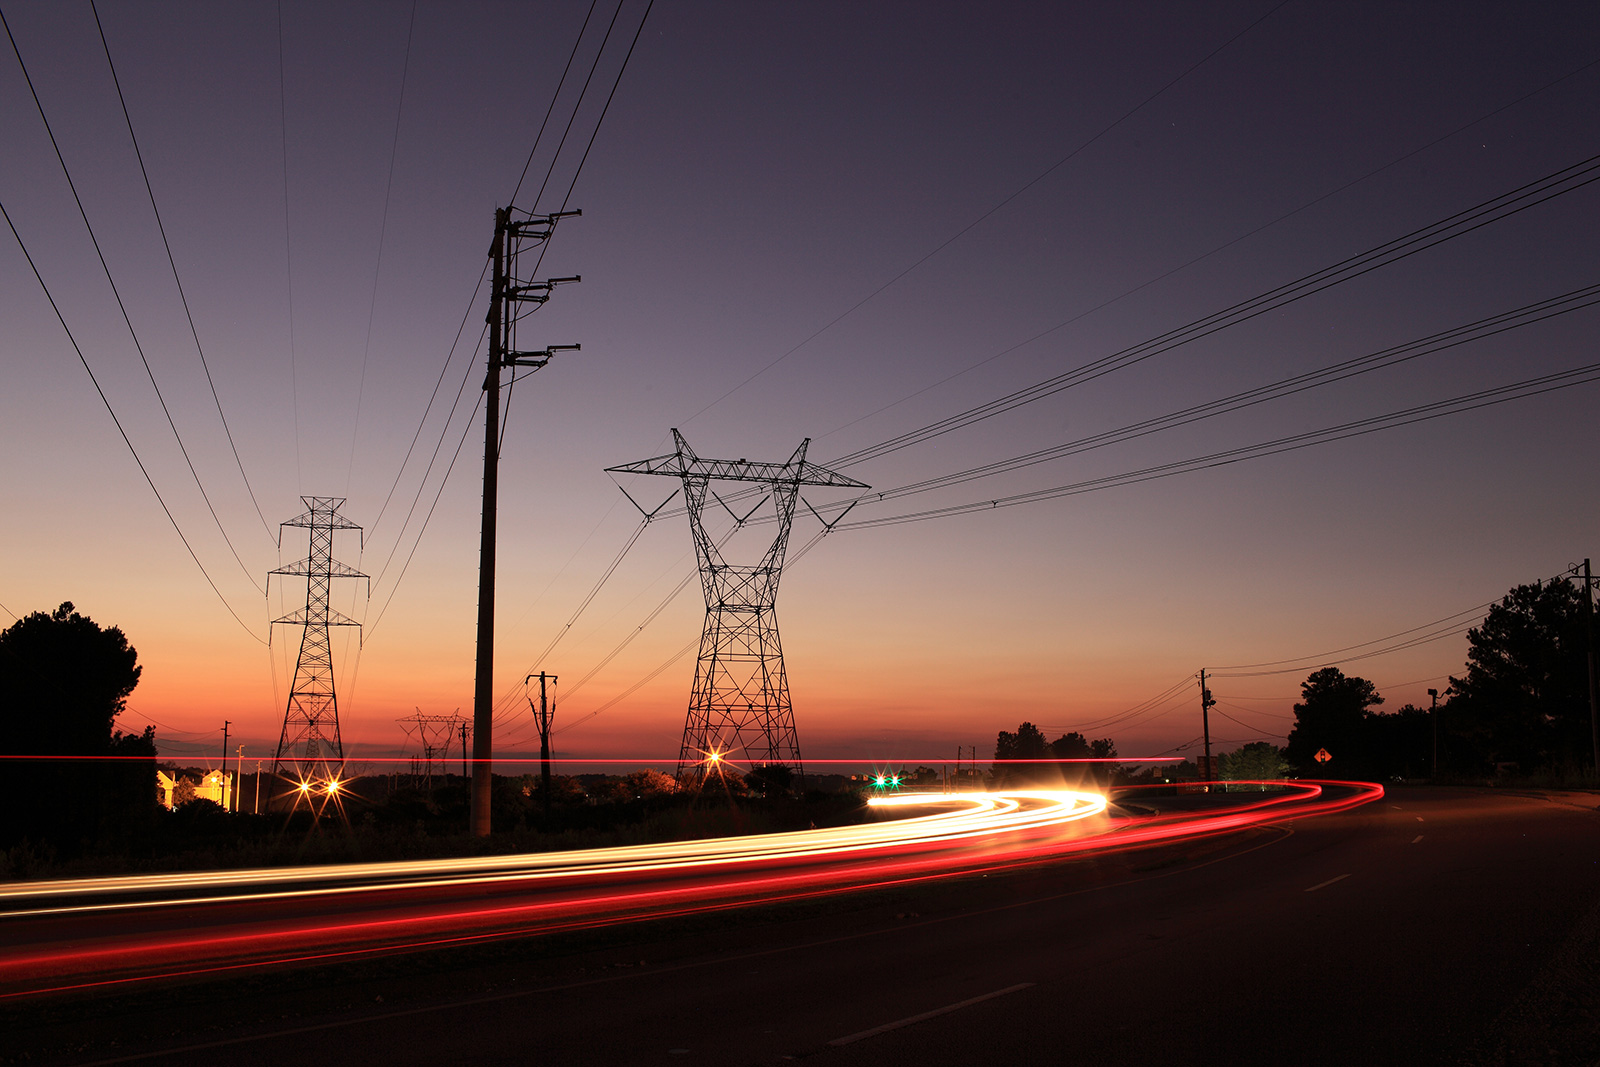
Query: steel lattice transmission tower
[[740, 701], [310, 741]]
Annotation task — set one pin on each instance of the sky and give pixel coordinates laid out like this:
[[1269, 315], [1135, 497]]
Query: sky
[[826, 221]]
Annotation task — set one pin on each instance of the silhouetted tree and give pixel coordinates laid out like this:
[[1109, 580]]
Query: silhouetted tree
[[1332, 714], [1255, 762], [182, 792], [1027, 743], [649, 783], [1401, 742], [1524, 697], [63, 682], [770, 779]]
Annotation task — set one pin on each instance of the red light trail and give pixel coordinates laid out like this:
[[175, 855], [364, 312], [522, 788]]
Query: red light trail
[[95, 932]]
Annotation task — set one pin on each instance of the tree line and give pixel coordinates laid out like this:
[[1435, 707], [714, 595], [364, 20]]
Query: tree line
[[1520, 707]]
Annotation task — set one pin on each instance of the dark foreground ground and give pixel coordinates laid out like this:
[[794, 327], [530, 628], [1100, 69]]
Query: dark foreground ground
[[1445, 926]]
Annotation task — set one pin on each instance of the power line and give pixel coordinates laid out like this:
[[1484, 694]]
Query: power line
[[539, 136], [1357, 428], [473, 299], [1058, 164], [173, 263], [288, 253], [426, 519], [383, 232], [112, 412], [594, 133], [1451, 625], [1222, 247], [1557, 183], [117, 294], [1443, 340]]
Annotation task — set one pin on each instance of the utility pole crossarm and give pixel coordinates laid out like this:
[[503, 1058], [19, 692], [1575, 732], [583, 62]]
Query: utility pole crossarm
[[299, 617], [305, 568], [685, 464]]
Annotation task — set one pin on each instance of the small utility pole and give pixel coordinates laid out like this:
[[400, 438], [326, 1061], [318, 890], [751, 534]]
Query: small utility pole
[[255, 808], [506, 297], [224, 770], [1433, 708], [463, 750], [1588, 633], [544, 716], [1205, 725], [238, 778]]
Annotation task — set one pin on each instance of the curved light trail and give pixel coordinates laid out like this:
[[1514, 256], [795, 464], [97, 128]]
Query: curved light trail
[[82, 933]]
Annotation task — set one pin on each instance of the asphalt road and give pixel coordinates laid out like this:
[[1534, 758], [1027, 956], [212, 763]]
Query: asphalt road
[[1434, 926]]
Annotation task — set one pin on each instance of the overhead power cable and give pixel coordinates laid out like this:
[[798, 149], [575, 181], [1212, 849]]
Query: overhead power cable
[[576, 173], [288, 251], [425, 521], [173, 263], [539, 136], [1557, 183], [1396, 161], [472, 300], [1359, 427], [1489, 326], [383, 232], [583, 92], [117, 294], [1452, 620], [124, 433], [1035, 180]]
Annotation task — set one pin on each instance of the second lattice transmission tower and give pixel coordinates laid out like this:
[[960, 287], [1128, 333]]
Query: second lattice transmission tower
[[310, 744], [739, 707]]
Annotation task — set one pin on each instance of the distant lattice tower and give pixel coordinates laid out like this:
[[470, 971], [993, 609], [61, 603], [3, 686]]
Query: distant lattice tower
[[740, 702], [310, 743]]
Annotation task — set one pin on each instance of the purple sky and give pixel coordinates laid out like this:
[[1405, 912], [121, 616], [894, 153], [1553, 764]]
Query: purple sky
[[762, 171]]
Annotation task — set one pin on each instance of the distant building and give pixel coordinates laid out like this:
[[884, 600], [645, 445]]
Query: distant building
[[215, 786], [165, 784]]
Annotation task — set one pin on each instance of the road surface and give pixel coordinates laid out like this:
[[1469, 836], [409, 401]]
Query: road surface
[[1432, 926]]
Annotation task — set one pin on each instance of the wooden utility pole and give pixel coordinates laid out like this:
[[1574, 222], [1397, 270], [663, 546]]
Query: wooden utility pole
[[1205, 726], [224, 769], [1588, 633], [506, 294], [483, 681], [543, 715], [1433, 709]]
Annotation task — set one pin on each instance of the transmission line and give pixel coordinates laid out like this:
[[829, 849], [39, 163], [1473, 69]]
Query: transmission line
[[383, 232], [1222, 247], [1557, 183], [172, 262], [1057, 165], [1356, 428], [117, 294], [112, 412], [594, 133], [1443, 340], [288, 253]]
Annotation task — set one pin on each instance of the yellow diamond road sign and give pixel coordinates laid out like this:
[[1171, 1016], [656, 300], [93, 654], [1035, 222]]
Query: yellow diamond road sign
[[1322, 756]]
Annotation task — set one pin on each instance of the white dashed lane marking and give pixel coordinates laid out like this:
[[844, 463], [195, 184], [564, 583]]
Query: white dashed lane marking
[[1324, 885], [947, 1009]]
